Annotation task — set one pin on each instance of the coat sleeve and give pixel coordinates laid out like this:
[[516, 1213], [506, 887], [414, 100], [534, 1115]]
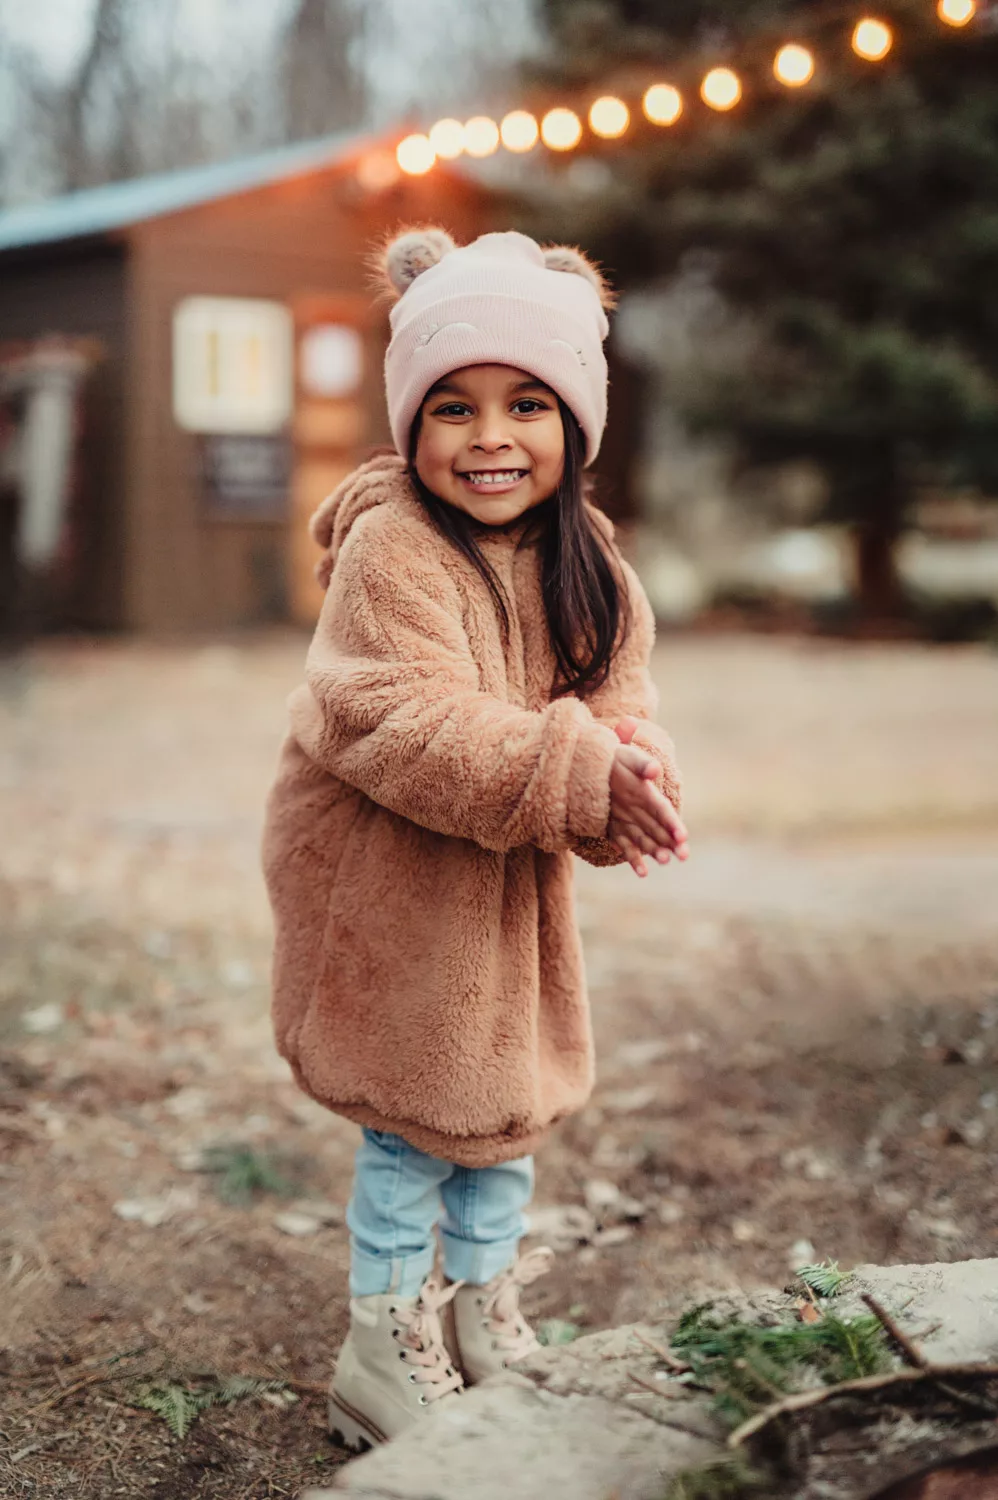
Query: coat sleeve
[[629, 689], [392, 705]]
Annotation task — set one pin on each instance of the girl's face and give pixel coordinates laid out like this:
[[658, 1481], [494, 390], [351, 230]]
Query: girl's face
[[491, 442]]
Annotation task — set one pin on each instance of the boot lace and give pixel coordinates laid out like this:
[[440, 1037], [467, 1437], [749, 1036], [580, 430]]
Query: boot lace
[[421, 1335], [500, 1304]]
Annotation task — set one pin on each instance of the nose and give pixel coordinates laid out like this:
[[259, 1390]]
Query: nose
[[491, 435]]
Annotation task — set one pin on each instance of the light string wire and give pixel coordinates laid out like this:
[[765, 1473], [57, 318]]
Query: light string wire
[[560, 129]]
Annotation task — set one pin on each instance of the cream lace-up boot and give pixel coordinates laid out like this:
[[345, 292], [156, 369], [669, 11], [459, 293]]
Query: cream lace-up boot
[[393, 1366], [490, 1331]]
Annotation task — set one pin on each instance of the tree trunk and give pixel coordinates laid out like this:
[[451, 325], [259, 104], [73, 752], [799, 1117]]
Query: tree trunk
[[878, 502], [104, 49], [877, 584]]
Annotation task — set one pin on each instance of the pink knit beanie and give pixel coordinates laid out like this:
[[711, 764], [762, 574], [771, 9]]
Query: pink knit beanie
[[501, 301]]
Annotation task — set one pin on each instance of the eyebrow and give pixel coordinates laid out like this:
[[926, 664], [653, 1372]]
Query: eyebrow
[[446, 387]]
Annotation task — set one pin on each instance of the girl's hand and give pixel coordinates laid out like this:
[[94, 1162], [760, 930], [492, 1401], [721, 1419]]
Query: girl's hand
[[626, 728], [642, 819]]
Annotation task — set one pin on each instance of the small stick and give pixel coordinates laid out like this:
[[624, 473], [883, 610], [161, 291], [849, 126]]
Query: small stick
[[78, 1385], [662, 1354], [95, 1378], [672, 1422], [44, 1442], [964, 1398], [303, 1385], [814, 1301], [912, 1354], [917, 1359], [801, 1400]]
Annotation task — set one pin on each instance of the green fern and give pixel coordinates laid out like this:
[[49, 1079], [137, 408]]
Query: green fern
[[238, 1387], [825, 1278], [179, 1405]]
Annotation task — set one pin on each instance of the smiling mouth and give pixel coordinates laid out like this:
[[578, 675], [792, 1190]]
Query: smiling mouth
[[498, 477]]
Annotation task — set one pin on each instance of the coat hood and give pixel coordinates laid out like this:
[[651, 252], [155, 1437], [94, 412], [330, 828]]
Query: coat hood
[[381, 479]]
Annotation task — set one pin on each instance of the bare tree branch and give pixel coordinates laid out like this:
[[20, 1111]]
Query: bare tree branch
[[323, 86]]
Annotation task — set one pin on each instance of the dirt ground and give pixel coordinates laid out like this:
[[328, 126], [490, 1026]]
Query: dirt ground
[[797, 1032]]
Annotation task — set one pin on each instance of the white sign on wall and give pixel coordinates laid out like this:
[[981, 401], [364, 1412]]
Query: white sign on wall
[[232, 364], [331, 360]]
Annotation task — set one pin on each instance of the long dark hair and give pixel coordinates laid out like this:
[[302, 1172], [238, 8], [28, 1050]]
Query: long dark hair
[[585, 601]]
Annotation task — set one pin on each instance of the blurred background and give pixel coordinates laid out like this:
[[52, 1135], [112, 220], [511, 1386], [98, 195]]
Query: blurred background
[[798, 1030], [799, 214]]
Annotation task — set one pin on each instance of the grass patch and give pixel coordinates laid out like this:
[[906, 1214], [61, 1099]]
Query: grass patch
[[242, 1174], [552, 1332]]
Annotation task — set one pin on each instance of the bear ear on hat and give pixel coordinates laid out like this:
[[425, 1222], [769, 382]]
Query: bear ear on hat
[[568, 258], [405, 256]]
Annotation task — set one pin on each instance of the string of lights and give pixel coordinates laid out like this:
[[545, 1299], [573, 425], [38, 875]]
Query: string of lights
[[561, 129]]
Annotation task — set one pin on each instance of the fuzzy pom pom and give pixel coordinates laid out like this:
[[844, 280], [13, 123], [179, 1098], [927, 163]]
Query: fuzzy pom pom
[[568, 258], [408, 255]]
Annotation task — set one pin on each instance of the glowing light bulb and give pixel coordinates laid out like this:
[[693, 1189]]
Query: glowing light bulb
[[721, 89], [872, 39], [447, 139], [609, 117], [794, 65], [415, 155], [561, 129], [481, 136], [377, 170], [662, 104], [956, 12], [519, 131]]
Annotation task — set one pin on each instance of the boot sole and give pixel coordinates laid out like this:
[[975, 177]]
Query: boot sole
[[350, 1429]]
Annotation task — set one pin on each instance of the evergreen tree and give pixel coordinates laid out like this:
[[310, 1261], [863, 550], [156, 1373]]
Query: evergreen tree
[[852, 223]]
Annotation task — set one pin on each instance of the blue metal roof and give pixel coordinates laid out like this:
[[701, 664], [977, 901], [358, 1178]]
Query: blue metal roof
[[117, 204]]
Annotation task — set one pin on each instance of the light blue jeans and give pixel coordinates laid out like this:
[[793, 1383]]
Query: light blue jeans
[[398, 1195]]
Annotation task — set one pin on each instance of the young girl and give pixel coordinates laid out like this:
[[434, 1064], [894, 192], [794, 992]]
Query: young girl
[[474, 714]]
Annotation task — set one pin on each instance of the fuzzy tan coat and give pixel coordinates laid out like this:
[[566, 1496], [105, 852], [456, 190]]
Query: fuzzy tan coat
[[419, 837]]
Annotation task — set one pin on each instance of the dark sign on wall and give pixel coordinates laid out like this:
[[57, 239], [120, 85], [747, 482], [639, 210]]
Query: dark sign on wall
[[245, 477]]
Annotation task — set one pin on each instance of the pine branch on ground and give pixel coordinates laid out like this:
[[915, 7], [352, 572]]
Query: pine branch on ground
[[747, 1366], [771, 1383], [825, 1278], [724, 1479]]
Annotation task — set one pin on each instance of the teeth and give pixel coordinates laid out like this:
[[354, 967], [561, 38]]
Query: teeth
[[496, 476]]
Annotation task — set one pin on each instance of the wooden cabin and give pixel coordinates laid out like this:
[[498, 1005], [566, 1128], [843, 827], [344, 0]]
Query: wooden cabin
[[231, 350]]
